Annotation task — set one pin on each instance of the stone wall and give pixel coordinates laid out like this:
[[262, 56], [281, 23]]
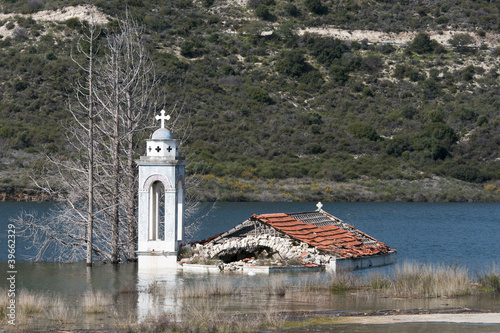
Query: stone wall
[[284, 250]]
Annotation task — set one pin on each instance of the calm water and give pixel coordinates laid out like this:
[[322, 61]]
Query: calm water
[[452, 233], [449, 233]]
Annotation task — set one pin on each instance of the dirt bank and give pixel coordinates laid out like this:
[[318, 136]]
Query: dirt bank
[[460, 318], [492, 40]]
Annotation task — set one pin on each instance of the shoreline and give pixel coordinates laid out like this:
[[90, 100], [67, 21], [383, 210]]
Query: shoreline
[[396, 316], [438, 317]]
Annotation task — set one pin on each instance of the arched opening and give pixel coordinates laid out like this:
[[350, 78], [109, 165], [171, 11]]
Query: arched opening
[[156, 223], [260, 252], [180, 212]]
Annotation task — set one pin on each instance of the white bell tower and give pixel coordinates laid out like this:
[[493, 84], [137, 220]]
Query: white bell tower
[[161, 200]]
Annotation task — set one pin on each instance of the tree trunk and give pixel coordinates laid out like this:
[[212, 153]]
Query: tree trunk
[[115, 219], [131, 179]]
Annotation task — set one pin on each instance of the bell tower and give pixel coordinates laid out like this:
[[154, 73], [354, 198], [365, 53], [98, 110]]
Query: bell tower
[[161, 200]]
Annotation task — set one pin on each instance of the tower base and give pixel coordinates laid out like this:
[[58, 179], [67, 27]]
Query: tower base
[[156, 261]]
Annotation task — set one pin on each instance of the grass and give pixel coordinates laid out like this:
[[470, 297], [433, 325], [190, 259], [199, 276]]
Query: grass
[[207, 316], [95, 302], [60, 312], [276, 285], [345, 281], [30, 303], [214, 288], [409, 280], [490, 279], [413, 279], [208, 304]]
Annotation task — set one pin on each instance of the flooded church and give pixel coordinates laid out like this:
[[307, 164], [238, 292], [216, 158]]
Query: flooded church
[[314, 240]]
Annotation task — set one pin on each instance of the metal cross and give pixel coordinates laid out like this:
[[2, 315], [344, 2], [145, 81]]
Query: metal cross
[[163, 118]]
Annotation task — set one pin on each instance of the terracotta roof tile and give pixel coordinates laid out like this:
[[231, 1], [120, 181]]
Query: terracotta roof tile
[[328, 238]]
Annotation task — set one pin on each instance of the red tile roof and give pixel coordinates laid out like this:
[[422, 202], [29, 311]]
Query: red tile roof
[[328, 238]]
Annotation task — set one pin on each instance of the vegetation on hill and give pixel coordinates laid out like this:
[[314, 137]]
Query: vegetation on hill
[[268, 105]]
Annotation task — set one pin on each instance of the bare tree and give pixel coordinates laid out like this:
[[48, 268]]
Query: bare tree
[[115, 104], [86, 91], [99, 182], [126, 93]]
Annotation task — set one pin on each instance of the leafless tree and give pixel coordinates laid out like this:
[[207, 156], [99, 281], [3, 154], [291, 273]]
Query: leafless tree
[[126, 94], [115, 105], [85, 97], [114, 100]]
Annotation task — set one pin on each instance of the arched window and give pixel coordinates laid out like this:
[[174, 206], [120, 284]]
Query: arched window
[[156, 223], [180, 211]]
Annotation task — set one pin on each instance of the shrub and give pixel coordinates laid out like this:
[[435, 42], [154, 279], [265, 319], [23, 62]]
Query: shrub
[[292, 63], [422, 43], [461, 42], [316, 7], [339, 74], [368, 92], [192, 48], [208, 3], [310, 118], [327, 50], [408, 111], [20, 33], [397, 146], [259, 95], [468, 173], [264, 13], [468, 73], [363, 130], [441, 132], [73, 23], [292, 10]]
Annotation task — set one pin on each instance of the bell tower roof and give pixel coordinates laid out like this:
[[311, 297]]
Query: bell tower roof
[[162, 143], [162, 134]]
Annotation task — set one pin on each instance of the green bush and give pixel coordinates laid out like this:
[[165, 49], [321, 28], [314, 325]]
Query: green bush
[[441, 132], [363, 130], [316, 7], [192, 48], [327, 50], [73, 23], [292, 10], [422, 43], [292, 63], [461, 42], [264, 13], [468, 173], [259, 95]]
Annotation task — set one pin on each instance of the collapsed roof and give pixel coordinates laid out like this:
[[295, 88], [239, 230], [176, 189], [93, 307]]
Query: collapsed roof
[[317, 229]]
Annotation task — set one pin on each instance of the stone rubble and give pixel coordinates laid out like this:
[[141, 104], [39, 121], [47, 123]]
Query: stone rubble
[[284, 252]]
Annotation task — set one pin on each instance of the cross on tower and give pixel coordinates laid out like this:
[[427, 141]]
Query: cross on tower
[[163, 118], [169, 149], [158, 149]]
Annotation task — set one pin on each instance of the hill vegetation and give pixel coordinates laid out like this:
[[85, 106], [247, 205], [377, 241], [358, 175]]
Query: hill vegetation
[[278, 112]]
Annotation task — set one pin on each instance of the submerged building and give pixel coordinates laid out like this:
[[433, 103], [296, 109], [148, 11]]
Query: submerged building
[[311, 239], [269, 241]]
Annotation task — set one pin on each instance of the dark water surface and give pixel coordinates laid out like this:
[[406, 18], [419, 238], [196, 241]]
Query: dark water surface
[[464, 234], [467, 234]]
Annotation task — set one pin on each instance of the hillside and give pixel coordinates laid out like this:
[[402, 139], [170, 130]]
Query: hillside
[[300, 100]]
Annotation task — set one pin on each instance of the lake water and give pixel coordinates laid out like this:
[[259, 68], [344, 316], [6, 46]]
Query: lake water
[[464, 234]]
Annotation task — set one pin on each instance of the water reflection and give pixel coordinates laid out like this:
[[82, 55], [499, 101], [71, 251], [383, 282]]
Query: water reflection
[[157, 293], [137, 295]]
